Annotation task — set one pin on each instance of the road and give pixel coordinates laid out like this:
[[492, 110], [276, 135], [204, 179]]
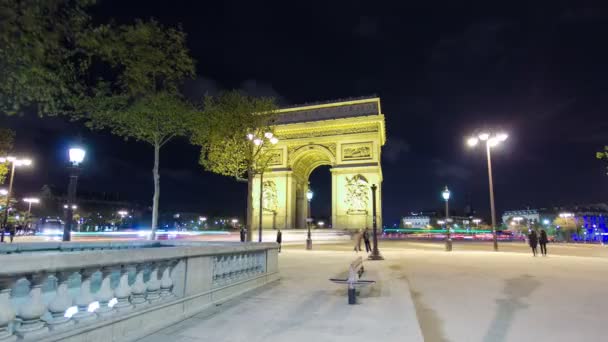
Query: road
[[475, 294]]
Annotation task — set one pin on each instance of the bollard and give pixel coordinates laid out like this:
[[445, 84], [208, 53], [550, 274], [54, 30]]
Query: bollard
[[352, 296]]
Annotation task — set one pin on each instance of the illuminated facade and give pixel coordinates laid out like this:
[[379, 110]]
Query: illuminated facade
[[346, 135]]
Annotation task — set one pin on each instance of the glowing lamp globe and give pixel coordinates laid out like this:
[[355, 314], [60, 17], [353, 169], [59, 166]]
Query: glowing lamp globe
[[309, 195], [446, 194], [76, 155]]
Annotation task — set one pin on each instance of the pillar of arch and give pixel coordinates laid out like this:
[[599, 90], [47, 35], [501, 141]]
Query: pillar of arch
[[346, 135]]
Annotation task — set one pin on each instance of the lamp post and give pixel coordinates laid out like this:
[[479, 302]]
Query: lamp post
[[76, 155], [375, 252], [309, 195], [259, 142], [491, 140], [29, 202], [15, 162], [448, 237]]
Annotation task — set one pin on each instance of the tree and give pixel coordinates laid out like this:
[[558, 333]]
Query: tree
[[603, 155], [7, 137], [143, 101], [222, 131], [39, 61], [567, 226]]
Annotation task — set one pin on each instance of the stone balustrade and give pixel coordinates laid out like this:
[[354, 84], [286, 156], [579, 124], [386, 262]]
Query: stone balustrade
[[120, 291]]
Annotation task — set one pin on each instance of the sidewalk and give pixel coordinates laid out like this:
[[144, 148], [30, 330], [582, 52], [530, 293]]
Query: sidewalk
[[305, 306]]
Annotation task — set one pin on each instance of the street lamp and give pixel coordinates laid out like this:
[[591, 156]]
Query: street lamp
[[491, 140], [29, 202], [375, 255], [76, 156], [309, 195], [15, 162], [259, 143], [448, 239]]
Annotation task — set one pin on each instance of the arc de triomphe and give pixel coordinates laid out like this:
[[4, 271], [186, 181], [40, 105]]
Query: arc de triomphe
[[346, 135]]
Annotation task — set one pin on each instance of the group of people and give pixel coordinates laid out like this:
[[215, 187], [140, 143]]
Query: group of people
[[538, 239], [362, 235]]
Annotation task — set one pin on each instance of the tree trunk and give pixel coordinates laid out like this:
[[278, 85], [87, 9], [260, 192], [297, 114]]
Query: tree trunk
[[249, 224], [156, 192]]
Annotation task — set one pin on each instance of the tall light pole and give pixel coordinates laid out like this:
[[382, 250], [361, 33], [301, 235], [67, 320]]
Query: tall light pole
[[491, 140], [375, 252], [259, 143], [76, 155], [29, 202], [15, 162], [309, 195], [448, 237]]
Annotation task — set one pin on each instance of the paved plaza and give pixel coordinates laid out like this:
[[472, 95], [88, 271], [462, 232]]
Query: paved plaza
[[423, 293]]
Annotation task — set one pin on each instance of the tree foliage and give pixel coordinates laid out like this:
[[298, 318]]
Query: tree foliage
[[140, 99], [7, 138], [603, 155], [222, 130], [39, 59]]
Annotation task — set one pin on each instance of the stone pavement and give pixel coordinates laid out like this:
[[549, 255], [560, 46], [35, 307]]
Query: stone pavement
[[423, 293], [305, 306]]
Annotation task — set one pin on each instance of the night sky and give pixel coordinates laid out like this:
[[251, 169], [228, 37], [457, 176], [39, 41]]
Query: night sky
[[537, 70]]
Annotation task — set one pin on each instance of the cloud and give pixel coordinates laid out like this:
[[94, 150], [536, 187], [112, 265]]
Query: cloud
[[260, 89], [395, 148], [367, 27], [200, 87], [445, 169]]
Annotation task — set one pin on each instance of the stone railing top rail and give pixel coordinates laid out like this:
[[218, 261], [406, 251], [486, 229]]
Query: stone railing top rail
[[41, 257]]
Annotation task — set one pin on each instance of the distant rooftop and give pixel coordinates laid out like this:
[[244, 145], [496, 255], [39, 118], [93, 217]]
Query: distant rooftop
[[329, 110]]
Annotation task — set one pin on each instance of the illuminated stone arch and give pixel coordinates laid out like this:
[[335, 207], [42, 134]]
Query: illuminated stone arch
[[347, 136]]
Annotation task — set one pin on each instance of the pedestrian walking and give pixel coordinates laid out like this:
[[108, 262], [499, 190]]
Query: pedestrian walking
[[533, 240], [368, 247], [11, 230], [242, 232], [279, 239], [358, 237], [542, 240]]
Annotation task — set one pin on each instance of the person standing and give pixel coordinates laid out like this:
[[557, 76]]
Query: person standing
[[242, 232], [11, 229], [368, 247], [542, 240], [279, 239], [358, 237], [533, 240]]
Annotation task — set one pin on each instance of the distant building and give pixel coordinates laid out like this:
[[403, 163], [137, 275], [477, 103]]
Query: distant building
[[416, 221], [432, 219], [592, 219]]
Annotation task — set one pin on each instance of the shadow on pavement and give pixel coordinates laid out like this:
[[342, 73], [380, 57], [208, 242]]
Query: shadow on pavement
[[515, 290]]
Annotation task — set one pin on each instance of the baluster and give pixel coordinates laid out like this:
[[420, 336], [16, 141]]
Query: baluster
[[30, 312], [105, 294], [220, 270], [232, 268], [138, 289], [123, 291], [7, 314], [153, 288], [249, 264], [84, 298], [258, 259], [241, 265], [166, 283], [215, 269], [61, 302]]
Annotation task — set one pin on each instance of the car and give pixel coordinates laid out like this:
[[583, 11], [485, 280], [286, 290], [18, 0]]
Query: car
[[49, 226]]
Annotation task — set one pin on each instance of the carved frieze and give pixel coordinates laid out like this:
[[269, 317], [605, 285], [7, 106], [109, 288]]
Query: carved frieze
[[357, 151], [269, 196], [357, 195]]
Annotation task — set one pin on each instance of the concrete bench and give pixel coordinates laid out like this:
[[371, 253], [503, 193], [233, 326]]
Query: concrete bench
[[355, 270]]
